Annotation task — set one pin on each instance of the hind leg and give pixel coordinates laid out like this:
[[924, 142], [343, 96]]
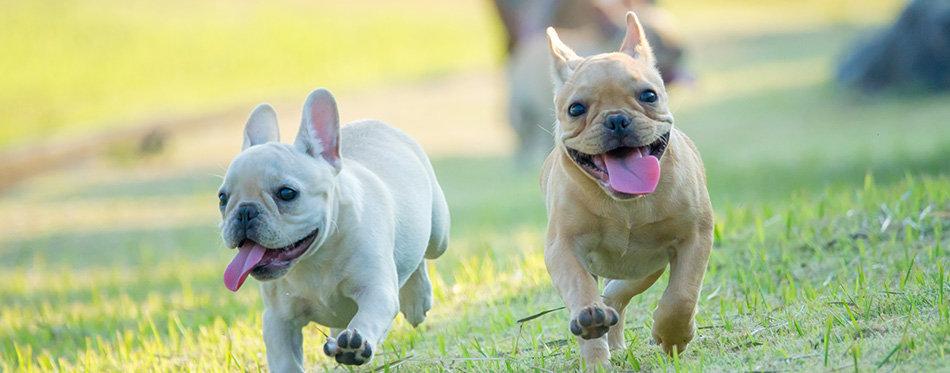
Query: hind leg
[[439, 236], [617, 294], [415, 297]]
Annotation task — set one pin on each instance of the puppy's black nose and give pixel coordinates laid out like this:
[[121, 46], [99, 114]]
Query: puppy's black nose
[[617, 122], [245, 214]]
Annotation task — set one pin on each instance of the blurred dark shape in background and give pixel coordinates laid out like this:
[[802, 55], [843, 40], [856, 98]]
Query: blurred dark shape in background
[[524, 18], [588, 26], [154, 142], [911, 54]]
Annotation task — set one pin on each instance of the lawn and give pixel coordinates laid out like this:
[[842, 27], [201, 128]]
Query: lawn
[[833, 213], [848, 277]]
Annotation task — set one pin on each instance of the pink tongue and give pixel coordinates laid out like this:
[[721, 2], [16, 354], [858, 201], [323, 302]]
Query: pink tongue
[[249, 255], [633, 173]]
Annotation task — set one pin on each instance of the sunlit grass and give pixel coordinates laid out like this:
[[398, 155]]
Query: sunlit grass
[[860, 274]]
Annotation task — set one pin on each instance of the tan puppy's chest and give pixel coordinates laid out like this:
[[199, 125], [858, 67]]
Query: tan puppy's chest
[[618, 252]]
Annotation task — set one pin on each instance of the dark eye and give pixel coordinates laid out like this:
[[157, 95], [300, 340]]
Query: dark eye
[[649, 96], [222, 199], [576, 110], [286, 194]]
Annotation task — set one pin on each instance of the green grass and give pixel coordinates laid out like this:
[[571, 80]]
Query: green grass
[[73, 67], [859, 275]]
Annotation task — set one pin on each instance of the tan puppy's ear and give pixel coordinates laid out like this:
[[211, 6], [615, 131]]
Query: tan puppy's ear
[[261, 127], [565, 60], [635, 42], [319, 134]]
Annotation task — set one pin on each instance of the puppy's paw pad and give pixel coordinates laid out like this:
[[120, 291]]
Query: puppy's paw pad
[[593, 321], [349, 348]]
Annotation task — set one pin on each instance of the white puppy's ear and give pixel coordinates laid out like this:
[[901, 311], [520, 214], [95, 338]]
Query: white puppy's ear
[[565, 60], [261, 127], [319, 133], [635, 42]]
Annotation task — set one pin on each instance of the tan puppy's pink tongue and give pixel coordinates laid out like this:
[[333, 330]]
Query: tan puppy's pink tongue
[[249, 255], [633, 173]]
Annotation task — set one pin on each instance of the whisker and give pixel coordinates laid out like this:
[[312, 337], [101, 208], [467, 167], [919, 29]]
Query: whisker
[[681, 103], [545, 129], [335, 227]]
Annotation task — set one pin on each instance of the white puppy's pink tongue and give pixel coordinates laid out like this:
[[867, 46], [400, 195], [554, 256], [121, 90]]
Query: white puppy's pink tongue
[[248, 256], [633, 173]]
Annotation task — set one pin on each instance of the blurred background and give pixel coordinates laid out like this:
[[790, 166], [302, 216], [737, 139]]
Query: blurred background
[[118, 118]]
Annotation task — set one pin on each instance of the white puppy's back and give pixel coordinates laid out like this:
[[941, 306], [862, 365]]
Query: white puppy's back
[[421, 215]]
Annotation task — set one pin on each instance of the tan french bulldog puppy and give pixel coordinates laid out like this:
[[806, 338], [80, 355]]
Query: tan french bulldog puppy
[[626, 197], [336, 227]]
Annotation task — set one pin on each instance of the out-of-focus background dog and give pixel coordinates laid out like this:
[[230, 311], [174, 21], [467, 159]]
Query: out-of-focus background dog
[[591, 27], [822, 125]]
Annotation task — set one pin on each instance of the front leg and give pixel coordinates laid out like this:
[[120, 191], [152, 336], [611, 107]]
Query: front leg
[[283, 341], [378, 305], [590, 318], [674, 325]]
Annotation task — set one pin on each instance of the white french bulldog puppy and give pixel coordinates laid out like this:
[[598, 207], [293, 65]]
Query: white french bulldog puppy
[[336, 227]]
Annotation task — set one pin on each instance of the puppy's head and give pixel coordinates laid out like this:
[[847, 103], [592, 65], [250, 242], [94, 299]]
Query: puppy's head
[[613, 120], [277, 199]]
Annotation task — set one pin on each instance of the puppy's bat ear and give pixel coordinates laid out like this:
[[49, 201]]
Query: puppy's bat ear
[[261, 127], [635, 42], [565, 60], [319, 134]]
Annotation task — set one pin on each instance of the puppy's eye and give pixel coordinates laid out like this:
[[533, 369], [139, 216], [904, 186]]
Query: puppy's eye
[[649, 96], [286, 194], [222, 200], [576, 110]]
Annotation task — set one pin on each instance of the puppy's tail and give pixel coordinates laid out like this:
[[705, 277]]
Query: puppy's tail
[[439, 238]]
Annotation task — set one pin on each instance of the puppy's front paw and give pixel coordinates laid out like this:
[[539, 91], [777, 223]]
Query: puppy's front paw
[[593, 321], [349, 348], [673, 332]]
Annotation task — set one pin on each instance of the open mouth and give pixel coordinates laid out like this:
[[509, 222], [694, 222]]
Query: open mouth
[[253, 256], [627, 170]]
